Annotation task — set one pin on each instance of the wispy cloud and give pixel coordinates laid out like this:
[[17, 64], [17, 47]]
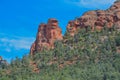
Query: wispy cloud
[[90, 3], [12, 46], [8, 44]]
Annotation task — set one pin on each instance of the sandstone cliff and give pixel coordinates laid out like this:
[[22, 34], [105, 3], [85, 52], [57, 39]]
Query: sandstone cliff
[[46, 36], [97, 19]]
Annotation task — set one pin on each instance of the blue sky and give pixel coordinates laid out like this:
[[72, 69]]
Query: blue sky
[[19, 20]]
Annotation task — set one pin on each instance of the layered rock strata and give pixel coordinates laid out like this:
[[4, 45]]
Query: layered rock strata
[[46, 36]]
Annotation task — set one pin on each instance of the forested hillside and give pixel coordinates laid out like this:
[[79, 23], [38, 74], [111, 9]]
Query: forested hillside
[[89, 50], [86, 56]]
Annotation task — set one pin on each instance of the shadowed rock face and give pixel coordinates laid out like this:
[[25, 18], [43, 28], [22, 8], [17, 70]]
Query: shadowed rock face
[[46, 36], [97, 19]]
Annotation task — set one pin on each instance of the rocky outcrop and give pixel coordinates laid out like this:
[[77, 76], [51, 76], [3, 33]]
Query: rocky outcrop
[[46, 36], [97, 19], [3, 62]]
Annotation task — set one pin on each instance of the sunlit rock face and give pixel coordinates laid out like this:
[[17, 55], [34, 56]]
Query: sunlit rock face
[[46, 36], [97, 19]]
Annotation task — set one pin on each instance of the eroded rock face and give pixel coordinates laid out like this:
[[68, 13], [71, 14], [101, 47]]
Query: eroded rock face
[[97, 19], [46, 36]]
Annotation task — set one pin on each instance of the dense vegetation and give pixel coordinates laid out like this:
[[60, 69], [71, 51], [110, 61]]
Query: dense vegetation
[[86, 56]]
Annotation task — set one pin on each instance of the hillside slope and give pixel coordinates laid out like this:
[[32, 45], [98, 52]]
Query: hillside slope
[[87, 55]]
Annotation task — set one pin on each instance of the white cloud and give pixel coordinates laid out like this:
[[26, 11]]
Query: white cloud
[[90, 3], [8, 44]]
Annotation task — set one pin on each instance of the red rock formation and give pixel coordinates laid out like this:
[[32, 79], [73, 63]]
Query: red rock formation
[[70, 27], [97, 19], [46, 36]]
